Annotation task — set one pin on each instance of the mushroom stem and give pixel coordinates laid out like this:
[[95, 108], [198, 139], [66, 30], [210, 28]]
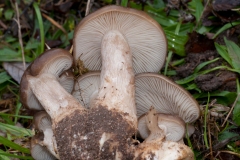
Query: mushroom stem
[[53, 97], [117, 89]]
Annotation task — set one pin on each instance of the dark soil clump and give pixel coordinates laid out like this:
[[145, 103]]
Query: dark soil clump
[[78, 136]]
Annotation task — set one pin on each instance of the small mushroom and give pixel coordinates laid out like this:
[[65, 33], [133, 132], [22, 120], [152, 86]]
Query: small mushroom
[[173, 126], [86, 89], [55, 62], [166, 96], [42, 122], [156, 147], [143, 34], [38, 151]]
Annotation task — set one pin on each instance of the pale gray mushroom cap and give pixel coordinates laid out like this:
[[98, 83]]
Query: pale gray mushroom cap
[[86, 88], [165, 96], [173, 127], [15, 69], [144, 35], [66, 80], [42, 122], [55, 62], [38, 151]]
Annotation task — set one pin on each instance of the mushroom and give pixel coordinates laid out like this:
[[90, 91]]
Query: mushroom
[[143, 34], [15, 69], [104, 131], [66, 79], [55, 62], [166, 96], [86, 89], [42, 122], [156, 147], [38, 151], [173, 126]]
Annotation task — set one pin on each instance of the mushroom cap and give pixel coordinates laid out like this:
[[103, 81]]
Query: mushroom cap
[[15, 69], [55, 62], [86, 88], [165, 96], [66, 80], [43, 123], [173, 127], [38, 151], [144, 35]]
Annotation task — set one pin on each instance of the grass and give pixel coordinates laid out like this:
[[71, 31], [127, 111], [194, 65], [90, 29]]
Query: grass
[[12, 112]]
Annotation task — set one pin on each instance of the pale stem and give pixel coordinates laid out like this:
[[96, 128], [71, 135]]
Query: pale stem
[[53, 97], [117, 90]]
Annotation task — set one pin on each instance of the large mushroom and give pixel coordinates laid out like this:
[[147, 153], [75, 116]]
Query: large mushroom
[[144, 36]]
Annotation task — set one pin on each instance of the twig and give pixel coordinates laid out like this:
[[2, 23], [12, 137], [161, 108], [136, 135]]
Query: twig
[[89, 5], [71, 50], [20, 35], [202, 14], [3, 25], [47, 46], [231, 110]]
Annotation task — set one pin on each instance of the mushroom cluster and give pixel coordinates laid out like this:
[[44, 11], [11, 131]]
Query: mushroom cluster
[[97, 115]]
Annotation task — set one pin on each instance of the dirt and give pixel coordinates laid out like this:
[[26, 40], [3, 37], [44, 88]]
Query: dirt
[[216, 80], [78, 135]]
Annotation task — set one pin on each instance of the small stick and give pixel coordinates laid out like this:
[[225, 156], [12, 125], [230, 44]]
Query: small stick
[[47, 46], [231, 110], [20, 35], [89, 5]]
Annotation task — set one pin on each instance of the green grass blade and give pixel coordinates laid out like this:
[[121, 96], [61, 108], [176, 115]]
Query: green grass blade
[[2, 153], [124, 3], [4, 77], [18, 116], [40, 23], [234, 53], [13, 145], [205, 122], [17, 131], [236, 110], [2, 157], [222, 50], [225, 27], [200, 66]]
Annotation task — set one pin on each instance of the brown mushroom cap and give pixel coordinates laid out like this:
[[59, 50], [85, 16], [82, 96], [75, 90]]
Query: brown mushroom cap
[[173, 126], [55, 62], [144, 35], [165, 96], [86, 88]]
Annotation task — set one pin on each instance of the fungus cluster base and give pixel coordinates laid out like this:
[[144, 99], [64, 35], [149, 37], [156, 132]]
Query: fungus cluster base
[[80, 135]]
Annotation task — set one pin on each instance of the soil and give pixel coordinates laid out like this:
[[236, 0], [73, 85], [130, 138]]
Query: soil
[[78, 135], [199, 53]]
